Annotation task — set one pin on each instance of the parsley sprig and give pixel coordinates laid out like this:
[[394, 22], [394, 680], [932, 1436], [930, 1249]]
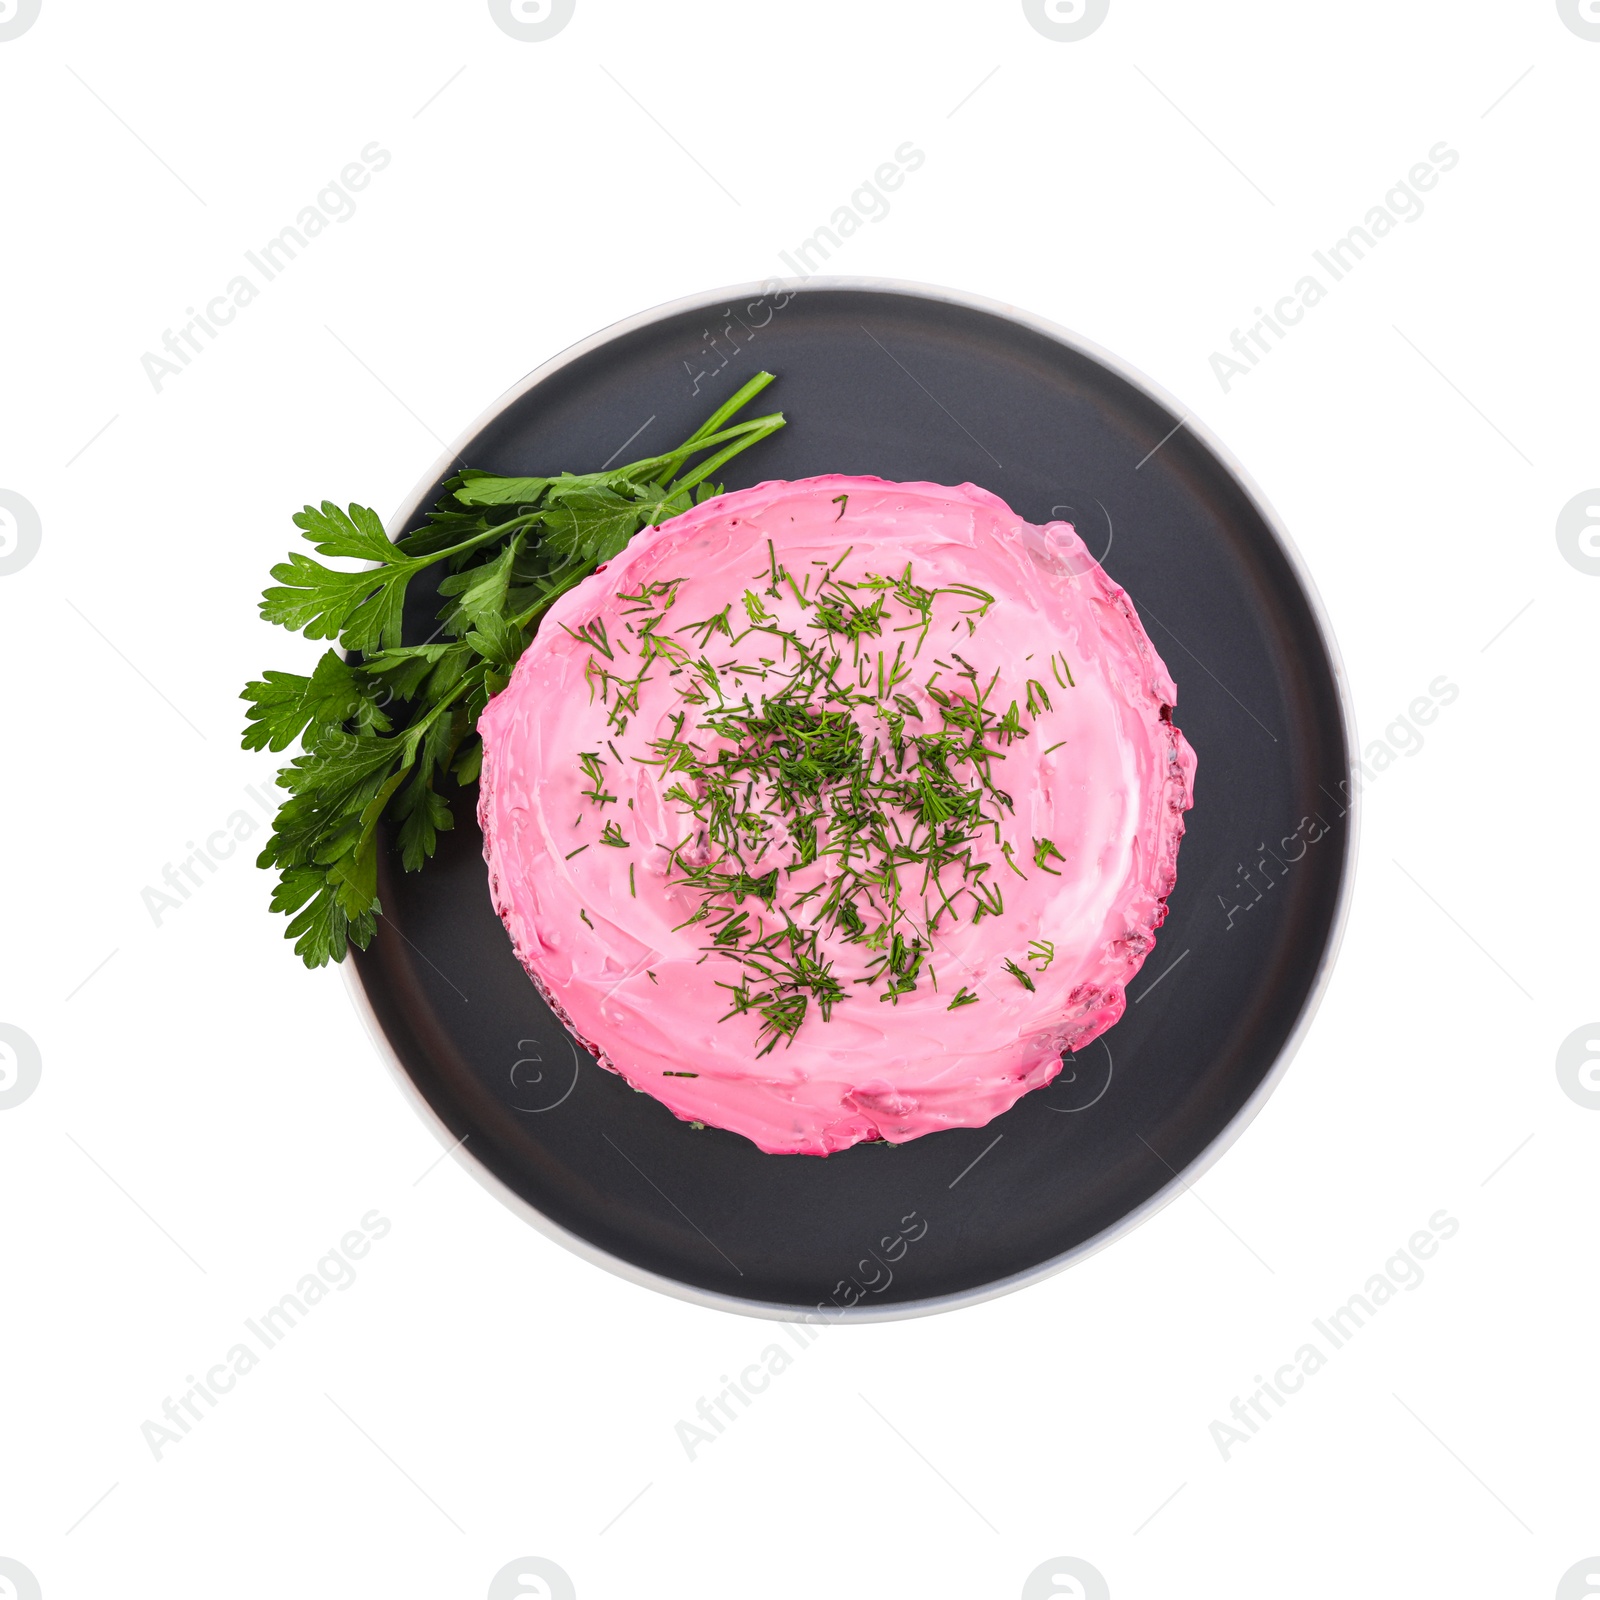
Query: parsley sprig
[[381, 726]]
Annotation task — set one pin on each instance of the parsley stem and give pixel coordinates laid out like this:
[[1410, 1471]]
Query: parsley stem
[[672, 460], [499, 531], [730, 408], [752, 433]]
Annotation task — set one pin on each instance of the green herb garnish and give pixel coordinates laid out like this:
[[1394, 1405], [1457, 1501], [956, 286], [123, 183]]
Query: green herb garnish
[[381, 728], [808, 748], [1043, 851]]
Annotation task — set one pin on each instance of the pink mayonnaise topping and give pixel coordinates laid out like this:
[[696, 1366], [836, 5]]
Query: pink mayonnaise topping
[[1101, 777]]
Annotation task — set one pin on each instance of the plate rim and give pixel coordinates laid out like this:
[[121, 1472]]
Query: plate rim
[[1218, 1146]]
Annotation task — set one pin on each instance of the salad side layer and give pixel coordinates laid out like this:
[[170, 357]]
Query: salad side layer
[[837, 810]]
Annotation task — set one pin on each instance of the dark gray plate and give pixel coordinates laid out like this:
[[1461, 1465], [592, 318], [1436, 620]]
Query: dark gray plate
[[914, 383]]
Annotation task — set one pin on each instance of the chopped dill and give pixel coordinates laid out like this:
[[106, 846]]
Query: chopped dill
[[846, 751], [1019, 974]]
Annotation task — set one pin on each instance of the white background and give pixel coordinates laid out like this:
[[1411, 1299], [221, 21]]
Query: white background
[[211, 1118]]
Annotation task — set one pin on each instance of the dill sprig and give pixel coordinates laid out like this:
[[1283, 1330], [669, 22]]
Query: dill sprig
[[1018, 973]]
